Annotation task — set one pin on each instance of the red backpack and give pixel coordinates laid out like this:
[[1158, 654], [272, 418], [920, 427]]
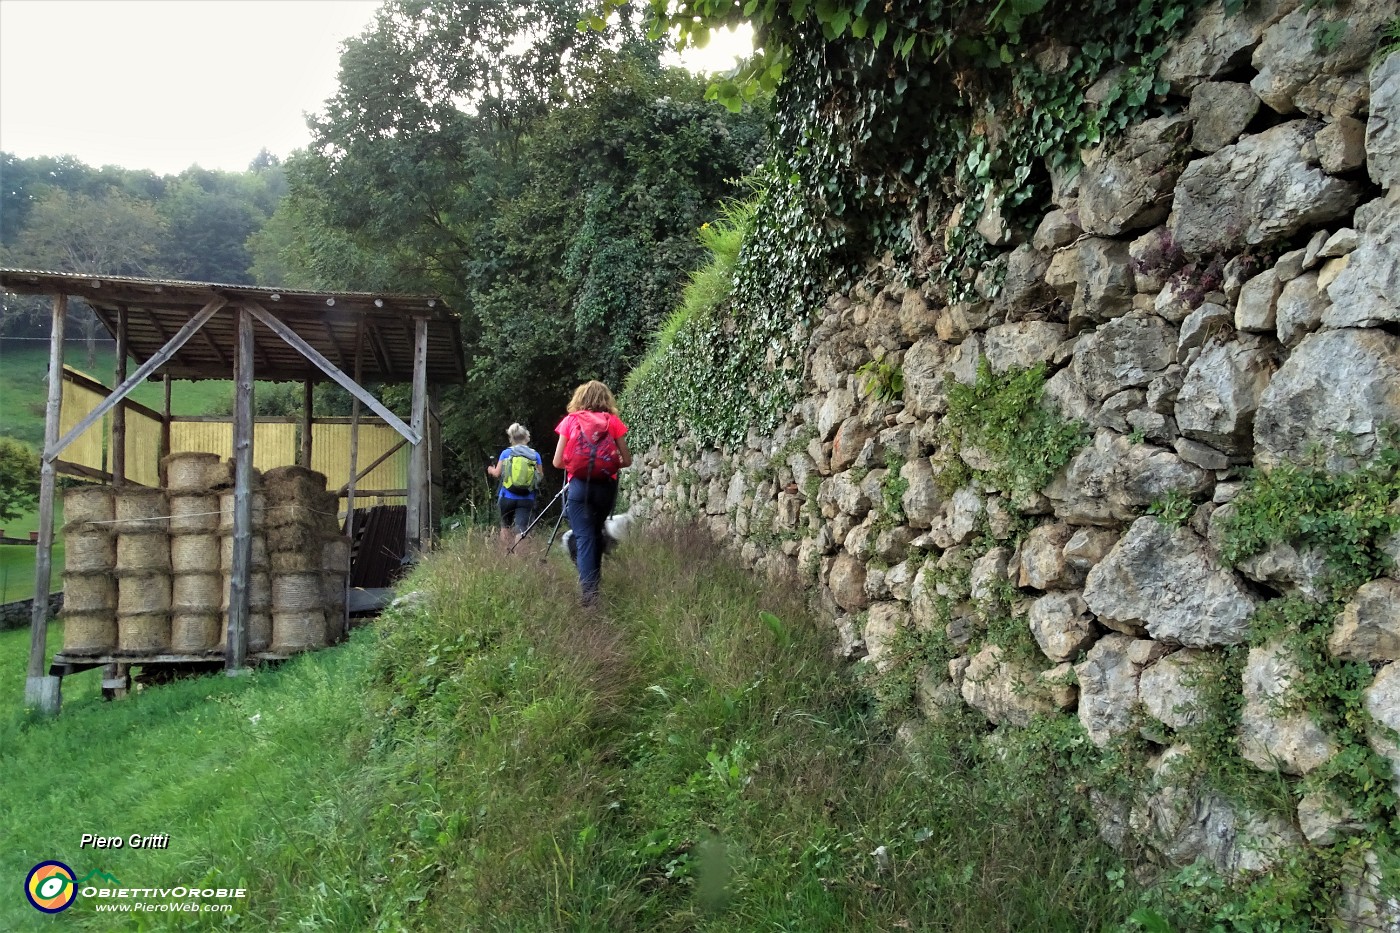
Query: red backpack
[[590, 451]]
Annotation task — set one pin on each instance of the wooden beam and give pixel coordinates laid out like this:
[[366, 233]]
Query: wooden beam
[[145, 369], [214, 346], [82, 380], [306, 423], [354, 435], [335, 344], [239, 573], [381, 355], [165, 420], [418, 462], [119, 413], [330, 369], [344, 490], [41, 691]]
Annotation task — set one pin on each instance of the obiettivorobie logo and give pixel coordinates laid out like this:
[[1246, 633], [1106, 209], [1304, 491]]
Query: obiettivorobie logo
[[51, 887]]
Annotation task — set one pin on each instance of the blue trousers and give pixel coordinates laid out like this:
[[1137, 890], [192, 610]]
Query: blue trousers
[[588, 505]]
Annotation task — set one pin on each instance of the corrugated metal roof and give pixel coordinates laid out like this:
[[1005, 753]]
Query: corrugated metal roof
[[329, 321]]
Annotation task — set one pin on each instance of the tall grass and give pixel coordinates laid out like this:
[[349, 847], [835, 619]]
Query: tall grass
[[489, 757], [709, 287], [695, 759]]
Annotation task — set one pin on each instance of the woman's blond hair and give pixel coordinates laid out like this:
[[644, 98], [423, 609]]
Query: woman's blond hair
[[593, 396], [518, 434]]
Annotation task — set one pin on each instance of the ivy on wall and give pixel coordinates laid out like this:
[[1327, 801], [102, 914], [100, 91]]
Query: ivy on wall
[[894, 127]]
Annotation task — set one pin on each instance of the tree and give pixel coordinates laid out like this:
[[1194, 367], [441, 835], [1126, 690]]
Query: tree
[[547, 182], [110, 234], [19, 478]]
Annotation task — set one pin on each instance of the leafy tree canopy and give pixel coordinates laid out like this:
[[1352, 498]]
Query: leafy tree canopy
[[547, 181], [19, 478]]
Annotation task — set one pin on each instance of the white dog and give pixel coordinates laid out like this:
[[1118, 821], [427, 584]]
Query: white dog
[[616, 529]]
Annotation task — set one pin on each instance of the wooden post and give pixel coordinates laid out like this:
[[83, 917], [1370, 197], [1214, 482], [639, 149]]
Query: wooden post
[[240, 573], [165, 450], [110, 672], [306, 398], [418, 461], [41, 691], [354, 434], [119, 413], [435, 492]]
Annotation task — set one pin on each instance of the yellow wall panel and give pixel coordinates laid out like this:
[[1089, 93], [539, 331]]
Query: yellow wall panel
[[206, 436], [330, 454], [142, 449], [274, 445], [88, 448]]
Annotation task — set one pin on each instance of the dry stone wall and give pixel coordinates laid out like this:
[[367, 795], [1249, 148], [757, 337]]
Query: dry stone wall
[[1217, 290]]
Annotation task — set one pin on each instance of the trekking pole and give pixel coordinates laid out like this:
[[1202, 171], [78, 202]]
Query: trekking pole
[[557, 523], [531, 526]]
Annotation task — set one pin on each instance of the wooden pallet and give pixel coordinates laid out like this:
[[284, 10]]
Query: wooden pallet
[[116, 678]]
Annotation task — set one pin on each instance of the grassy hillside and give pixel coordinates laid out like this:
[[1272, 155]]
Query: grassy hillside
[[23, 386], [691, 758]]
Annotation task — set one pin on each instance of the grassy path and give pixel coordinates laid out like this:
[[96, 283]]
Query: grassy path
[[488, 758]]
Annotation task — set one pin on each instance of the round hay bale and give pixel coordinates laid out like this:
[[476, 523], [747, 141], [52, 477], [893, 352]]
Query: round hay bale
[[258, 510], [195, 632], [89, 592], [87, 633], [83, 504], [259, 630], [143, 595], [298, 513], [295, 538], [335, 554], [296, 592], [284, 562], [259, 553], [188, 471], [194, 515], [259, 592], [329, 508], [194, 554], [220, 476], [197, 592], [298, 631], [333, 588], [139, 510], [142, 554], [293, 482], [90, 552], [143, 633]]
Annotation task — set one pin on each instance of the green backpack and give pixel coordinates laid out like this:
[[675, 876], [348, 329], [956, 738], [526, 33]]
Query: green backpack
[[520, 474]]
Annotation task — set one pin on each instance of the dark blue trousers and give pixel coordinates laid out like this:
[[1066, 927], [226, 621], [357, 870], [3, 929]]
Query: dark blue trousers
[[588, 505]]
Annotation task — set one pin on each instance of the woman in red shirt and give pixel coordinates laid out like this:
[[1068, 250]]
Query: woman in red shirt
[[591, 450]]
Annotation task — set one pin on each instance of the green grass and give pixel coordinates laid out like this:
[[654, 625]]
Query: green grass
[[246, 775], [692, 758], [17, 571]]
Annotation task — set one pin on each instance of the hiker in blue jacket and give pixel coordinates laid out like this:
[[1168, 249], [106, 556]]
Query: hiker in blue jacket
[[520, 469]]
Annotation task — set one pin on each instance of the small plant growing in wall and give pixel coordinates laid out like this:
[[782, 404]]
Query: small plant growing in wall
[[1175, 508], [1001, 415], [881, 379]]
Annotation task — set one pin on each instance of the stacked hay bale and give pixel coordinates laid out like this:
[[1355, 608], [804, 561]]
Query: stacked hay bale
[[89, 588], [335, 569], [301, 517], [142, 569], [196, 593], [259, 582]]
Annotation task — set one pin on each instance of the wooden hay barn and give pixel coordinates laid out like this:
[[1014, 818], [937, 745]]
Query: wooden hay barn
[[200, 330]]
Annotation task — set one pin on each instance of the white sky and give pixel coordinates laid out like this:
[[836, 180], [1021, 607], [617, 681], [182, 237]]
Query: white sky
[[166, 84]]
